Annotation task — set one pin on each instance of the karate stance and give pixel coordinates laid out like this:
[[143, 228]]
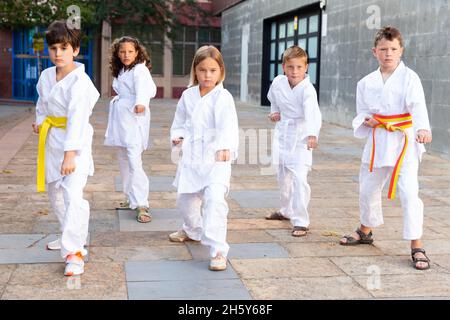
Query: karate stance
[[66, 99], [295, 108], [129, 120], [392, 116], [206, 127]]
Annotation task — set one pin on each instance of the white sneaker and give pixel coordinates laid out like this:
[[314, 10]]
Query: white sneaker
[[179, 236], [218, 263], [74, 265], [54, 245]]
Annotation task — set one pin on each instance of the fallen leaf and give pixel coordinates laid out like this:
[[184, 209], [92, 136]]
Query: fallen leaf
[[330, 234], [7, 171]]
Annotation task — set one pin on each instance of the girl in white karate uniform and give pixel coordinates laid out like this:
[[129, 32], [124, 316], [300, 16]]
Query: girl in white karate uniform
[[295, 108], [129, 120], [66, 99], [392, 116], [206, 127]]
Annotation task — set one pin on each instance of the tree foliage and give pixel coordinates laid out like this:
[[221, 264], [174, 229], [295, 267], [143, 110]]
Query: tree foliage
[[166, 14]]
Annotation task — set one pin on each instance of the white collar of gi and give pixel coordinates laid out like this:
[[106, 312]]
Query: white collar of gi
[[401, 66], [219, 86], [302, 83]]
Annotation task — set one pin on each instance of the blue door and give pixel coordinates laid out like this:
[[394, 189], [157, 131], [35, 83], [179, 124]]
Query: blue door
[[27, 64]]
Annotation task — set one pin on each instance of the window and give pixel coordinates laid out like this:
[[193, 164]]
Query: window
[[186, 43], [151, 38]]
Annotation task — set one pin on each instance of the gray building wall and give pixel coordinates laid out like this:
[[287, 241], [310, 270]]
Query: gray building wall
[[346, 54]]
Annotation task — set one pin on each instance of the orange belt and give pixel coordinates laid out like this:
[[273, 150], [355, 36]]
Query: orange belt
[[397, 122]]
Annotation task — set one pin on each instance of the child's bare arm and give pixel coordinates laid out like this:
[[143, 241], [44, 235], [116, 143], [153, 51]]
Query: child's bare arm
[[424, 136], [68, 165], [223, 155]]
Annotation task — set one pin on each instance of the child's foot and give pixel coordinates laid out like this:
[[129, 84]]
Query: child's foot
[[358, 237], [74, 265], [54, 245], [179, 236], [124, 205], [218, 263], [298, 231], [276, 216], [420, 259], [143, 215]]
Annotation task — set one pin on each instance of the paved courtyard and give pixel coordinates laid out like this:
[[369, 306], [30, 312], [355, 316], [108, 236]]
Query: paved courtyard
[[129, 260]]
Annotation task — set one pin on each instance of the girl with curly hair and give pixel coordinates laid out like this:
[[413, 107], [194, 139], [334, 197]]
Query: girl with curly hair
[[129, 120]]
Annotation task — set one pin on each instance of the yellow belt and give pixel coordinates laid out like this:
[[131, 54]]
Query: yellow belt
[[58, 122], [398, 122]]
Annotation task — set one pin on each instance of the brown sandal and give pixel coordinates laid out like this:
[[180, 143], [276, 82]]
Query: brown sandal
[[415, 260], [297, 229], [363, 239], [276, 216]]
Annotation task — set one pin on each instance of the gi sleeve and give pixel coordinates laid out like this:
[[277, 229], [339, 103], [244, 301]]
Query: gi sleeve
[[40, 113], [359, 129], [83, 97], [145, 88], [177, 129], [226, 125], [416, 104], [313, 116], [272, 98]]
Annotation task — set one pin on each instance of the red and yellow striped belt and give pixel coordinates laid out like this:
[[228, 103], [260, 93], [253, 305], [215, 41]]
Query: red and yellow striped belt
[[398, 122]]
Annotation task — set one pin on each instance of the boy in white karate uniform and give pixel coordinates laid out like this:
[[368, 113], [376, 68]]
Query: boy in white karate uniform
[[206, 126], [392, 116], [294, 107], [129, 121], [66, 99]]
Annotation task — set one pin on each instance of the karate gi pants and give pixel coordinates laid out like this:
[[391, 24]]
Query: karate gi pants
[[72, 211], [205, 217], [135, 182], [295, 193], [370, 187]]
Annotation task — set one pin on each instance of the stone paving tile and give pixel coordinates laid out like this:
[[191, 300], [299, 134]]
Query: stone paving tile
[[401, 247], [248, 224], [285, 268], [136, 253], [131, 239], [284, 235], [442, 260], [5, 273], [385, 265], [241, 251], [312, 288], [248, 236], [16, 241], [157, 183], [329, 249], [230, 289], [256, 198], [423, 284], [162, 220], [174, 270], [46, 281]]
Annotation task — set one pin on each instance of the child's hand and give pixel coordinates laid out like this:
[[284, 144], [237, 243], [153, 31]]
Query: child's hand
[[139, 108], [223, 155], [35, 127], [274, 117], [424, 136], [370, 122], [68, 165], [176, 142], [312, 142]]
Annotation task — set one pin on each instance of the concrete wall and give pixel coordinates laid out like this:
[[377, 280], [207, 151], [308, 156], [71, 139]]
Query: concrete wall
[[346, 52]]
